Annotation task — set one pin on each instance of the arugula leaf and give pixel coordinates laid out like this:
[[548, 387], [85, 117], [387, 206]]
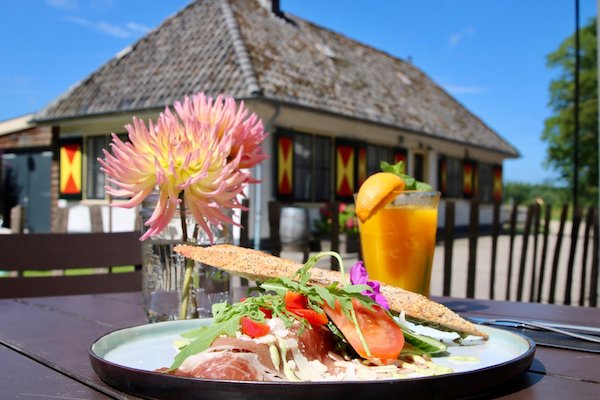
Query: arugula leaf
[[325, 295], [410, 182], [206, 338], [357, 288]]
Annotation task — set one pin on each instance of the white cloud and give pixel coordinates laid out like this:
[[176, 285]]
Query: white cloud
[[458, 89], [456, 38], [135, 27], [66, 4], [112, 30], [129, 30]]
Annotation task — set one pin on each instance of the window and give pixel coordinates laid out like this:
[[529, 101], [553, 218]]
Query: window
[[304, 166], [486, 183], [455, 177], [419, 167], [96, 179], [322, 161], [375, 155], [451, 177]]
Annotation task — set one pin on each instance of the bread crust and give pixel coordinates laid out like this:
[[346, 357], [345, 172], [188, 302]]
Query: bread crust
[[259, 266]]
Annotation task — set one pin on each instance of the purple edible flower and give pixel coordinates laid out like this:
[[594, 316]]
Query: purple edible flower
[[359, 276]]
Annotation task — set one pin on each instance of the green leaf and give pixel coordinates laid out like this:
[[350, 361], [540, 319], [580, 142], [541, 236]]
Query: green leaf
[[397, 168], [275, 286], [326, 296], [410, 182], [205, 339], [191, 334], [357, 288], [423, 187]]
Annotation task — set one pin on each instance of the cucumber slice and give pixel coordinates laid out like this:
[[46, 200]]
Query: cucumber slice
[[427, 344]]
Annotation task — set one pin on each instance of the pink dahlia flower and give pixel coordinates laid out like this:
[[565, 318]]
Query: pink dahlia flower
[[203, 150]]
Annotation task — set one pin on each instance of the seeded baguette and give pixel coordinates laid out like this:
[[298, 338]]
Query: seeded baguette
[[259, 266]]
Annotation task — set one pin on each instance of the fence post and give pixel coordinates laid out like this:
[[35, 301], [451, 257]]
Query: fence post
[[448, 246], [537, 207], [555, 262], [589, 223], [274, 221], [473, 236], [513, 227], [244, 222], [547, 215], [594, 272], [574, 237], [525, 243], [495, 233]]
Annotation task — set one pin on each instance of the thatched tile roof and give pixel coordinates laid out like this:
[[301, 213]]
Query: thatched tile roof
[[241, 48]]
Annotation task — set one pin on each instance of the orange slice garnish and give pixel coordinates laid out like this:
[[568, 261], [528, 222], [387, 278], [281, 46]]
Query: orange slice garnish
[[375, 192]]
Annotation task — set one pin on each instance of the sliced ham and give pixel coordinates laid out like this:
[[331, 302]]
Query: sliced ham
[[250, 346], [230, 366], [232, 358]]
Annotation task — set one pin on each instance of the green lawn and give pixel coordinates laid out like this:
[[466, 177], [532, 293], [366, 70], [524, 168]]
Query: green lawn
[[78, 271]]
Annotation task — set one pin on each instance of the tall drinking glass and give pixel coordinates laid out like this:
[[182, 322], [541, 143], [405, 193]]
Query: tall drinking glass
[[398, 241]]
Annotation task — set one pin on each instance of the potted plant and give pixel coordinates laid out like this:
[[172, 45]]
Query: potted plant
[[348, 227]]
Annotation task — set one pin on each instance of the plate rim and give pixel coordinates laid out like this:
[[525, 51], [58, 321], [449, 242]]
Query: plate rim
[[527, 356]]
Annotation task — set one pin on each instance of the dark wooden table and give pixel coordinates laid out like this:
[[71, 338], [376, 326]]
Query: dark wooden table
[[44, 347]]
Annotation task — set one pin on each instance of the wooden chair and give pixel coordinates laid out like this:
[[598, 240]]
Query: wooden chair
[[59, 251], [530, 266]]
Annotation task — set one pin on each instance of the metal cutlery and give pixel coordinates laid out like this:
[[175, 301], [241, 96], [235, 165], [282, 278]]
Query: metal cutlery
[[563, 329]]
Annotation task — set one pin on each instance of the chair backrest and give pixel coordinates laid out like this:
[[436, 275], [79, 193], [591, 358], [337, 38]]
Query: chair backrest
[[532, 266], [58, 251]]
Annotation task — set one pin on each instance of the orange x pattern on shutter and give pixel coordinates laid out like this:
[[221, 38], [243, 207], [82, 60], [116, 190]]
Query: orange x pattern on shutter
[[468, 179], [497, 184], [345, 171], [285, 164], [70, 169]]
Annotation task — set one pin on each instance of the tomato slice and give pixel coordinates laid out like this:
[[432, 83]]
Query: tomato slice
[[313, 317], [383, 336], [294, 300], [253, 328], [268, 312]]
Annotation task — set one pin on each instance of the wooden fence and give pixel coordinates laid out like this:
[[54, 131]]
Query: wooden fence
[[533, 256], [538, 256]]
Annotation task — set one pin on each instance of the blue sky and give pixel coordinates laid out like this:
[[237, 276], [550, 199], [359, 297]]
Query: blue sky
[[489, 54]]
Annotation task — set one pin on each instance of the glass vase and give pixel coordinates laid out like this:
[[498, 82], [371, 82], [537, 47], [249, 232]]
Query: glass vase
[[163, 270]]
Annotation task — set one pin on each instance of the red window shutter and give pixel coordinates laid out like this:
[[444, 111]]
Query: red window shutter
[[285, 165], [468, 178], [345, 158], [497, 184], [70, 169]]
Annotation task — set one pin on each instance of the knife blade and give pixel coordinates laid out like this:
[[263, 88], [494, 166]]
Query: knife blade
[[519, 322]]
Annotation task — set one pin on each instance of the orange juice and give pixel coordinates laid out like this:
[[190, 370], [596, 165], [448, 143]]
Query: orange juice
[[398, 241]]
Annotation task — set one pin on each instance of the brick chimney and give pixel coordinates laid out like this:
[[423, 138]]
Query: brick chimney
[[276, 8]]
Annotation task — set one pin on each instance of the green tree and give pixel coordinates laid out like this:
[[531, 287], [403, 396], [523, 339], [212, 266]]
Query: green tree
[[559, 128], [527, 193]]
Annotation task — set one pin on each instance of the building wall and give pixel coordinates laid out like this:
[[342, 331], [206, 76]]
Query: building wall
[[30, 140], [40, 136], [296, 119]]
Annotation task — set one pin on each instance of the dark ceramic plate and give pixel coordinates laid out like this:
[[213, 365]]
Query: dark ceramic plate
[[125, 359]]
